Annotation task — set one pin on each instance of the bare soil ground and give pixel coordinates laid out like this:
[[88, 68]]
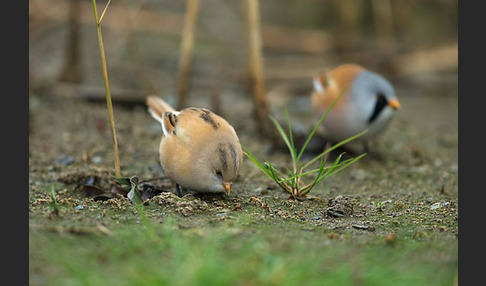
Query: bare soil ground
[[406, 190]]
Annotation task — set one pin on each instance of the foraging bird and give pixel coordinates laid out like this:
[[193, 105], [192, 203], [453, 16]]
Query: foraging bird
[[368, 102], [199, 150]]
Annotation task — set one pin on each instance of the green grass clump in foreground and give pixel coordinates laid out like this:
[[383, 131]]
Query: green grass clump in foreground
[[229, 255]]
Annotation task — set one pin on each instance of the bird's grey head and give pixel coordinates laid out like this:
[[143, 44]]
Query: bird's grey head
[[375, 93]]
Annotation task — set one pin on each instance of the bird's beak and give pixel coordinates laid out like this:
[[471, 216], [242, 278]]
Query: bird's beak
[[227, 187], [394, 104]]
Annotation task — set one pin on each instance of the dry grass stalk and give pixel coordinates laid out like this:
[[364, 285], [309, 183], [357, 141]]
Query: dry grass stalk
[[187, 48], [384, 24], [71, 71], [256, 65], [107, 87]]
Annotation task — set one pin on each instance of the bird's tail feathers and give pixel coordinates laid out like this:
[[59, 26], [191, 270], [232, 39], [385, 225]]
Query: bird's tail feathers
[[157, 106], [156, 115]]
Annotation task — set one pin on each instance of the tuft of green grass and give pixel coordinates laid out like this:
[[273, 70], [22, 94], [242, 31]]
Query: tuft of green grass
[[54, 206], [291, 180]]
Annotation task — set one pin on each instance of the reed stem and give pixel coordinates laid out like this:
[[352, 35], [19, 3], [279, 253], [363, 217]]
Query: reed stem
[[187, 51], [107, 87]]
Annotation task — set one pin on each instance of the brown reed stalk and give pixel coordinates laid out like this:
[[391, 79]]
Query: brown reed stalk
[[256, 65], [384, 24], [107, 87], [187, 48], [71, 71]]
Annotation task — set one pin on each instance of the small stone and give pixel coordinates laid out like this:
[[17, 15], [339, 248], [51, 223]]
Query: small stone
[[363, 227], [435, 206], [96, 159], [80, 207], [339, 207], [64, 160]]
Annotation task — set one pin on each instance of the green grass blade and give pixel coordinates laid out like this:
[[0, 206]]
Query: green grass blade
[[273, 171], [255, 161], [278, 172], [322, 169], [318, 124], [53, 196], [284, 137], [340, 167], [54, 206], [276, 179], [335, 146], [291, 138], [297, 176]]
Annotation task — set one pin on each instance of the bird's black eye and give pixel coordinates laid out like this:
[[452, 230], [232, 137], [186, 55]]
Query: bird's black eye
[[218, 173]]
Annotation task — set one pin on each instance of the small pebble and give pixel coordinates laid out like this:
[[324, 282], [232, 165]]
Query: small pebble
[[435, 206], [363, 227], [96, 159], [64, 160], [80, 207]]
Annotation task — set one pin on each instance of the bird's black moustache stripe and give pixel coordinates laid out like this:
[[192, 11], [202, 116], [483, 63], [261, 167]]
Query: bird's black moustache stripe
[[222, 156], [381, 102], [234, 157]]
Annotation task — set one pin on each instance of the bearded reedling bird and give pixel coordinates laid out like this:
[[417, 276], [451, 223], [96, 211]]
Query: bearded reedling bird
[[199, 150], [368, 102]]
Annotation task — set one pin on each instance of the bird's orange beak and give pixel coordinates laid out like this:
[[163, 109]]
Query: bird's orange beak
[[394, 104], [227, 187]]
